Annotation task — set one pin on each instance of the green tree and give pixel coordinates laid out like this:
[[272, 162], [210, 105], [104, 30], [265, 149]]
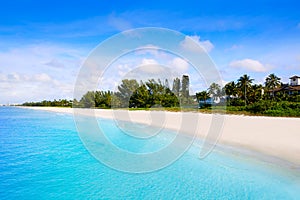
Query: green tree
[[202, 96], [103, 99], [75, 103], [215, 91], [230, 90], [156, 90], [169, 99], [272, 82], [141, 97], [153, 93], [126, 89], [244, 84], [255, 93], [88, 100]]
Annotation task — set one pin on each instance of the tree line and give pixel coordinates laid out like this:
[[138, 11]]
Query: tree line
[[236, 96], [131, 94], [245, 96], [134, 94], [54, 103]]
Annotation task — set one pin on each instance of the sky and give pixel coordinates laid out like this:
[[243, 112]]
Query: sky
[[43, 44]]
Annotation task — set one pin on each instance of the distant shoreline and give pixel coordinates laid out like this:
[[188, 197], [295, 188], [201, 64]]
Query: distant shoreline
[[277, 137], [228, 110]]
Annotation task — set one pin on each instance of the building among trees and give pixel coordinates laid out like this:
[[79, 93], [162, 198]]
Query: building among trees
[[295, 81], [292, 88]]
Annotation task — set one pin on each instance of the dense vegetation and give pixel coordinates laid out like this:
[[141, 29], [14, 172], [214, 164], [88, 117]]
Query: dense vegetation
[[132, 94], [54, 103], [240, 97], [255, 99]]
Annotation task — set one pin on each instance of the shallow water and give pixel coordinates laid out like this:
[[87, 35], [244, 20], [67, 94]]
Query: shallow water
[[42, 157]]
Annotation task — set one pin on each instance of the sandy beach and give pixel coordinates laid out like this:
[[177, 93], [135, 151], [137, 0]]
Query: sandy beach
[[272, 136]]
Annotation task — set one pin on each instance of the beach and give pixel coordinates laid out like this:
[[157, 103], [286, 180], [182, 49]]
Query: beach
[[277, 137]]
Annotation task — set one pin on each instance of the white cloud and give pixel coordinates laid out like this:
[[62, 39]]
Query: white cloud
[[149, 67], [179, 65], [249, 64], [147, 49], [149, 46], [192, 43], [18, 88], [147, 61], [37, 72], [17, 77], [123, 69], [13, 77], [42, 77], [149, 71]]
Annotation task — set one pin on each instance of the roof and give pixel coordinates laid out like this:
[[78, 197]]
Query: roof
[[295, 77], [286, 88], [295, 88]]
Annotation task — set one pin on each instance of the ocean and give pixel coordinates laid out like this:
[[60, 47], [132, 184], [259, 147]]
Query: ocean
[[43, 157]]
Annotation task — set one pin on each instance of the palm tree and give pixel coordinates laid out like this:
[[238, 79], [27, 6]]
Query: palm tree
[[202, 96], [244, 82], [256, 93], [215, 90], [230, 89], [272, 82]]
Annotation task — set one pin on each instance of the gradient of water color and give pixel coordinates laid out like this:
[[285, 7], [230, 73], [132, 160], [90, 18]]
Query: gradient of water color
[[42, 157]]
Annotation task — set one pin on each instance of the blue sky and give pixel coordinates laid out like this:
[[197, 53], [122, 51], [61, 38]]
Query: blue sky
[[43, 43]]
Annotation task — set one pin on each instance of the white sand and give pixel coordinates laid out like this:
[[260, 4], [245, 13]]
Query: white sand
[[274, 136]]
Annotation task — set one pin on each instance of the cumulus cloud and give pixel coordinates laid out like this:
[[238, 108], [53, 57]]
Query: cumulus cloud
[[12, 77], [17, 77], [147, 61], [42, 77], [192, 43], [149, 71], [18, 88], [179, 65], [37, 72], [148, 67], [147, 49], [249, 64], [122, 69]]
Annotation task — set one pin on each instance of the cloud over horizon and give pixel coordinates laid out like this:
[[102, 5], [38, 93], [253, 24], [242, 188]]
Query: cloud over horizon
[[192, 43], [248, 64], [38, 71]]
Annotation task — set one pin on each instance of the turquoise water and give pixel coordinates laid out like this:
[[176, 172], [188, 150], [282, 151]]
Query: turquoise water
[[42, 157]]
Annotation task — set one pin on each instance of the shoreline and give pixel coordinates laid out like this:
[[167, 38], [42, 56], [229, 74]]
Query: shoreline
[[277, 137]]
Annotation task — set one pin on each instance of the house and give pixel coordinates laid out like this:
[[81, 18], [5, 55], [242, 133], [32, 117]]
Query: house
[[292, 88], [295, 81]]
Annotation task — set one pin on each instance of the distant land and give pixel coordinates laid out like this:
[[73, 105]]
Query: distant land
[[274, 98]]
